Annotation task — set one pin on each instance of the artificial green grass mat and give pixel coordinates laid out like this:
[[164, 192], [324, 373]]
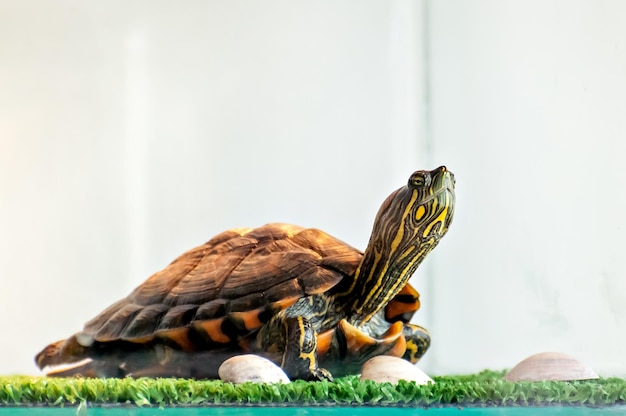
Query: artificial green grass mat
[[484, 389]]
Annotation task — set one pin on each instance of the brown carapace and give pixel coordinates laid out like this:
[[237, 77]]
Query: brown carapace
[[309, 302]]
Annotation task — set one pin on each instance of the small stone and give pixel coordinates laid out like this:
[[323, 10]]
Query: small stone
[[84, 339], [550, 366], [387, 369], [251, 368]]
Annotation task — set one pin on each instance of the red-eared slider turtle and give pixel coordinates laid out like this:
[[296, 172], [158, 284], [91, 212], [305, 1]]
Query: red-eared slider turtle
[[300, 297]]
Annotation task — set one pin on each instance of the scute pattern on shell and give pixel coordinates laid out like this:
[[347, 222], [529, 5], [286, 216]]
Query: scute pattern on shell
[[236, 271]]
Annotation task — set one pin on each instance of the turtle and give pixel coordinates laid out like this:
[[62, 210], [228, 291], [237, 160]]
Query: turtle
[[309, 302]]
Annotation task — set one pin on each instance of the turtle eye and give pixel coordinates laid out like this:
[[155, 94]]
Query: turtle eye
[[419, 180]]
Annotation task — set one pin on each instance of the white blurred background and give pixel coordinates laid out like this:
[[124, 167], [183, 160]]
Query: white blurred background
[[133, 131]]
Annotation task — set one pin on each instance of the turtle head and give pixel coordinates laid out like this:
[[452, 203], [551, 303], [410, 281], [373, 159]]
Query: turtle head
[[409, 224]]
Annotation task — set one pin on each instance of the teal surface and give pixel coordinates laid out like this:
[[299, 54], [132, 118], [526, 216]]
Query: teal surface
[[312, 411]]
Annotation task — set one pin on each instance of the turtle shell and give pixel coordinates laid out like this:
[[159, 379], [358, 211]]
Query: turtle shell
[[238, 279], [221, 291]]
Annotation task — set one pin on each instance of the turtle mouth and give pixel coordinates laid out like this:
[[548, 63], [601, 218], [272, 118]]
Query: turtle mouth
[[443, 181], [437, 194]]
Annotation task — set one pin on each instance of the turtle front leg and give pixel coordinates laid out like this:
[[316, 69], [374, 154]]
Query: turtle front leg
[[300, 356], [417, 342]]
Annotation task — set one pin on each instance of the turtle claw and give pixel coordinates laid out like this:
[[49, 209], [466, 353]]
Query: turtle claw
[[321, 374], [316, 374], [349, 347]]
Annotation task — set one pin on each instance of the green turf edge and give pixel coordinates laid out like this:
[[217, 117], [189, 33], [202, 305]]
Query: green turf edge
[[483, 389]]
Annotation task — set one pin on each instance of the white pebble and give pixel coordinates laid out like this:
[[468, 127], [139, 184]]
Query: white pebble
[[547, 366], [253, 368], [384, 368]]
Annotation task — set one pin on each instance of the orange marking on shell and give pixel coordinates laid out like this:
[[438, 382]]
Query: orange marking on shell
[[395, 308], [250, 319], [399, 348], [213, 328], [179, 336], [285, 303], [323, 342], [394, 331], [245, 345], [140, 340], [409, 290], [355, 339]]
